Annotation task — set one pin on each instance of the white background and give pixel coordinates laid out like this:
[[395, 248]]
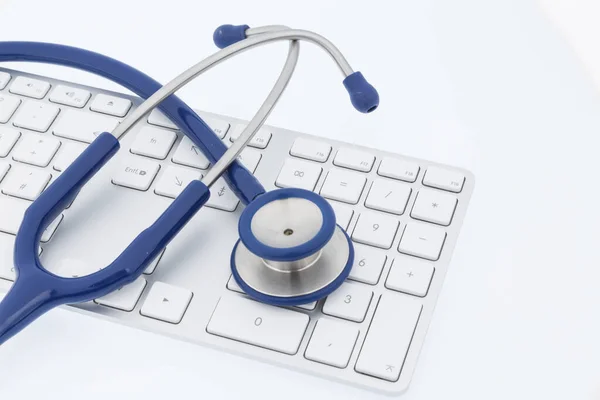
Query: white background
[[504, 88]]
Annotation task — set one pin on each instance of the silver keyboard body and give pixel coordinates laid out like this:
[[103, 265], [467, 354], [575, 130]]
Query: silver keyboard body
[[105, 218]]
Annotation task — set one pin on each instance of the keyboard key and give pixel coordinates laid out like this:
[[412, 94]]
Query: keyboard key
[[152, 266], [7, 265], [444, 179], [174, 179], [83, 126], [398, 169], [298, 174], [166, 302], [25, 183], [350, 301], [189, 154], [368, 264], [354, 159], [111, 105], [410, 275], [136, 173], [433, 206], [222, 197], [332, 343], [218, 126], [153, 142], [49, 232], [72, 268], [424, 241], [4, 167], [343, 186], [258, 324], [308, 306], [12, 214], [67, 153], [8, 106], [29, 87], [125, 298], [260, 140], [389, 336], [4, 79], [36, 150], [157, 118], [388, 196], [343, 214], [8, 138], [250, 158], [70, 96], [36, 116], [311, 149], [375, 229]]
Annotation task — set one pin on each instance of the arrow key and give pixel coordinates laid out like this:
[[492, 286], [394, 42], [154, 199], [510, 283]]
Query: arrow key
[[166, 302], [174, 179]]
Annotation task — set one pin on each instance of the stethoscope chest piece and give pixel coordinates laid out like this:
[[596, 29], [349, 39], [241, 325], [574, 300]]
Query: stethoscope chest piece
[[290, 251]]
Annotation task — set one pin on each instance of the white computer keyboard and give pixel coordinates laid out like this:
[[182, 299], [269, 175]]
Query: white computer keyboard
[[403, 215]]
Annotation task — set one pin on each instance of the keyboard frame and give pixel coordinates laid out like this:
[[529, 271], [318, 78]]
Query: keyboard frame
[[273, 157]]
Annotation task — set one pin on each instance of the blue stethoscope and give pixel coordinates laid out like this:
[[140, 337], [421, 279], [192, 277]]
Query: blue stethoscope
[[290, 250]]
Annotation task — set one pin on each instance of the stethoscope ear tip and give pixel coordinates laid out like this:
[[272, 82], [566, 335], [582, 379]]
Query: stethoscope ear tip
[[226, 35], [363, 95]]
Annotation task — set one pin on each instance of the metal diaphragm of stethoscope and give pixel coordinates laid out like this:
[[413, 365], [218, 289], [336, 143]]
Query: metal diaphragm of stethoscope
[[290, 250]]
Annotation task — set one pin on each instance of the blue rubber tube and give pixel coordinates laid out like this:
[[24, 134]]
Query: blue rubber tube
[[242, 182]]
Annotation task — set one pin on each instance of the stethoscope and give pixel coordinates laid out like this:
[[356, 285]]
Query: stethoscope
[[290, 250]]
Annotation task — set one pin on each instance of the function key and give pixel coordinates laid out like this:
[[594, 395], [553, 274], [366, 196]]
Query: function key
[[311, 149], [111, 105], [4, 79], [153, 142], [218, 126], [70, 96], [354, 159], [398, 169], [259, 140], [444, 179], [30, 87]]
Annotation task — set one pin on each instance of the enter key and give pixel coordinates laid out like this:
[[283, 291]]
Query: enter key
[[389, 337]]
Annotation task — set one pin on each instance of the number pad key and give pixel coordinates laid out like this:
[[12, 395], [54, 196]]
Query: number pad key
[[332, 343], [258, 324], [368, 264], [343, 186], [299, 174], [375, 229], [343, 214], [388, 196], [433, 206], [424, 241], [350, 301], [410, 275]]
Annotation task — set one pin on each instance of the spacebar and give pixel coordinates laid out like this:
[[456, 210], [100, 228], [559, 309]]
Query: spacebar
[[389, 337], [258, 324]]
